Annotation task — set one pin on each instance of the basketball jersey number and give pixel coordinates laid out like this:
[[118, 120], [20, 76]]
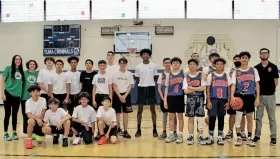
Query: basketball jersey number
[[246, 85], [176, 88], [219, 92]]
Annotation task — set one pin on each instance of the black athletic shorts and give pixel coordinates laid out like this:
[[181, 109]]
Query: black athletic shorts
[[122, 107], [61, 98], [248, 103], [87, 135], [162, 107], [218, 107], [230, 111], [113, 132], [38, 129], [99, 99], [146, 95], [74, 101], [195, 106], [176, 104], [55, 131]]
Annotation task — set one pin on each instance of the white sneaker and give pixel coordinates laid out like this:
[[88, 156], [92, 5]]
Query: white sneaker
[[179, 139], [170, 138], [77, 141], [24, 135]]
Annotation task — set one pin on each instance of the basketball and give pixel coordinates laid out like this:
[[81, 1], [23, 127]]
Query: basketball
[[238, 103], [206, 119]]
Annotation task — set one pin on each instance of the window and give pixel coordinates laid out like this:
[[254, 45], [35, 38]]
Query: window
[[161, 9], [209, 9], [22, 10], [67, 10], [256, 9], [113, 9]]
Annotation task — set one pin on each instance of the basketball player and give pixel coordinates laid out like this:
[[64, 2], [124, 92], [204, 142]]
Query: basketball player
[[74, 76], [197, 58], [245, 84], [213, 55], [59, 85], [174, 99], [218, 97], [230, 111], [195, 101], [122, 81], [161, 88], [111, 67], [145, 74], [44, 77]]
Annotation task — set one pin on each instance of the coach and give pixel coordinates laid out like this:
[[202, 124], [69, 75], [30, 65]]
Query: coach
[[268, 73]]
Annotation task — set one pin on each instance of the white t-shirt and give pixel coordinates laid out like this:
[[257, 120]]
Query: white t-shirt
[[86, 114], [209, 78], [35, 108], [75, 82], [54, 117], [109, 115], [111, 70], [44, 77], [102, 83], [123, 80], [146, 74], [185, 83], [257, 77], [59, 82]]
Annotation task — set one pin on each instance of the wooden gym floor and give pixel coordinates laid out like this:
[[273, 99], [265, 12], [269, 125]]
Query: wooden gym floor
[[144, 147]]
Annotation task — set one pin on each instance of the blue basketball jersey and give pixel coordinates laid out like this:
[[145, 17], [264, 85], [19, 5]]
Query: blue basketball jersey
[[163, 77], [219, 87], [176, 84], [195, 82], [245, 82]]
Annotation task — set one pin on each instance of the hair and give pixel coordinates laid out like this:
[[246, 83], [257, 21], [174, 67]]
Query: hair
[[13, 65], [176, 59], [110, 52], [236, 56], [194, 54], [53, 101], [193, 60], [84, 95], [264, 49], [33, 88], [59, 61], [27, 64], [245, 53], [106, 98], [213, 54], [165, 59], [49, 58], [72, 58], [89, 61], [124, 60], [146, 51], [220, 60], [102, 62]]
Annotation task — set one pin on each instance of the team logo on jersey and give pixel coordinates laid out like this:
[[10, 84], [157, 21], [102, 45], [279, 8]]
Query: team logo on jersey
[[31, 79], [17, 75], [269, 69]]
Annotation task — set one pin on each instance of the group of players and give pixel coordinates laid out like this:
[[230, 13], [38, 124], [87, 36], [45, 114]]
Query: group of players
[[56, 102]]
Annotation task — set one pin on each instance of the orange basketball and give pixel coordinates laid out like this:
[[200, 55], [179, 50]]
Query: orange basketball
[[206, 119], [238, 103]]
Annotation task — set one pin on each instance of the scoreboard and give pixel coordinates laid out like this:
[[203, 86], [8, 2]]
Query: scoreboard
[[62, 40]]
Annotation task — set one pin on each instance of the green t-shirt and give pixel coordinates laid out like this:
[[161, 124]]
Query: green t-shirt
[[30, 80], [13, 85]]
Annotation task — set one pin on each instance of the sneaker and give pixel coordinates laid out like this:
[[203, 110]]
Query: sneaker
[[179, 139], [138, 133], [65, 142], [210, 140], [98, 136], [126, 135], [39, 138], [24, 135], [229, 135], [7, 137], [28, 143], [220, 140], [250, 142], [273, 141], [55, 139], [70, 133], [256, 139], [175, 134], [170, 138], [15, 136], [243, 136], [238, 141], [120, 132], [190, 140], [77, 141], [200, 140], [162, 136], [33, 136], [102, 140], [155, 134]]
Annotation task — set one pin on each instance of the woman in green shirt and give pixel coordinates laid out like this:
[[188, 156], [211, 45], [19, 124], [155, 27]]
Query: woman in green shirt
[[30, 77], [11, 89]]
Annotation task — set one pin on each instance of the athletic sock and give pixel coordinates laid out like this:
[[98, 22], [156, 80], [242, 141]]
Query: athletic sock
[[65, 137], [249, 134], [164, 131], [155, 126], [220, 133]]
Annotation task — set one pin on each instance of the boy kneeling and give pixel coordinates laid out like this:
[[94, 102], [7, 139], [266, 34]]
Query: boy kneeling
[[35, 110], [57, 121], [107, 122], [83, 120]]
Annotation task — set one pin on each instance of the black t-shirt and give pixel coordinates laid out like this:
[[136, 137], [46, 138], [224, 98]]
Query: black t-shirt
[[86, 79], [267, 75]]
